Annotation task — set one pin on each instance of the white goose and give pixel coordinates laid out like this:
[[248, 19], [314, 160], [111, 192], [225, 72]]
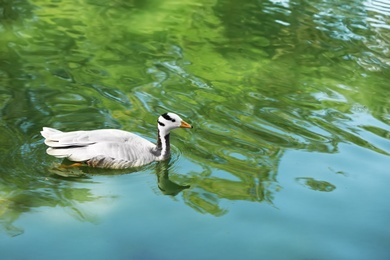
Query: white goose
[[112, 148]]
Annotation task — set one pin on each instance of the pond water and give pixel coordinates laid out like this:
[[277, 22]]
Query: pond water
[[289, 156]]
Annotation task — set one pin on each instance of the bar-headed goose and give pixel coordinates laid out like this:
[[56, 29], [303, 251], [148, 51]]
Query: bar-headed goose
[[112, 148]]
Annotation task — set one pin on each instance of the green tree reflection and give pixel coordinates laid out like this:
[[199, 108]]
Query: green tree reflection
[[256, 78]]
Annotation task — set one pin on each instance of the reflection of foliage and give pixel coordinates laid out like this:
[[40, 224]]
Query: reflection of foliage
[[7, 217], [206, 191], [316, 185], [51, 193], [305, 114], [255, 78], [224, 178], [203, 202]]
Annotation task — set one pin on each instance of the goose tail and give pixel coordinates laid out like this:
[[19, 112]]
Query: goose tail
[[47, 132]]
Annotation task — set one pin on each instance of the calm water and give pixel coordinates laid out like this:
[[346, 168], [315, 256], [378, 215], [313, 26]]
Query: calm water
[[289, 156]]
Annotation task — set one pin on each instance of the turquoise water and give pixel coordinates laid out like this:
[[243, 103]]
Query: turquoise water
[[288, 157]]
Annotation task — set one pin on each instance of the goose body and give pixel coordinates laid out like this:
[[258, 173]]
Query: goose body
[[112, 148]]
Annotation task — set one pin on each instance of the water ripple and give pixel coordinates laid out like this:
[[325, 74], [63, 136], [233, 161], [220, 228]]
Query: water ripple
[[256, 79], [379, 6]]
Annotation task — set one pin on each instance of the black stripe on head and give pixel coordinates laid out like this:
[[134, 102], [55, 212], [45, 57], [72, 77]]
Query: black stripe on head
[[160, 123], [167, 117]]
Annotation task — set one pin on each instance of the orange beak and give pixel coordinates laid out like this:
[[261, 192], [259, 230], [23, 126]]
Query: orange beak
[[185, 125]]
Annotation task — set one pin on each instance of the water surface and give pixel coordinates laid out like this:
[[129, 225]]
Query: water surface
[[288, 158]]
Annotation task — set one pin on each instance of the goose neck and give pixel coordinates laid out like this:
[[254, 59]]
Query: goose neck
[[163, 145]]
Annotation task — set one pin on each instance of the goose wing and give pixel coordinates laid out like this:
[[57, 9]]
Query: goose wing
[[56, 138], [100, 146]]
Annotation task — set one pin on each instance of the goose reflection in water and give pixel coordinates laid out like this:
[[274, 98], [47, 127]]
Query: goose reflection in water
[[164, 183], [167, 186]]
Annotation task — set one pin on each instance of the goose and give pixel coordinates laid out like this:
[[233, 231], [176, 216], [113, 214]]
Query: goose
[[112, 148]]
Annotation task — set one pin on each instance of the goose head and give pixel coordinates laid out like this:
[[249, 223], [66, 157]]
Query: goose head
[[169, 121]]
